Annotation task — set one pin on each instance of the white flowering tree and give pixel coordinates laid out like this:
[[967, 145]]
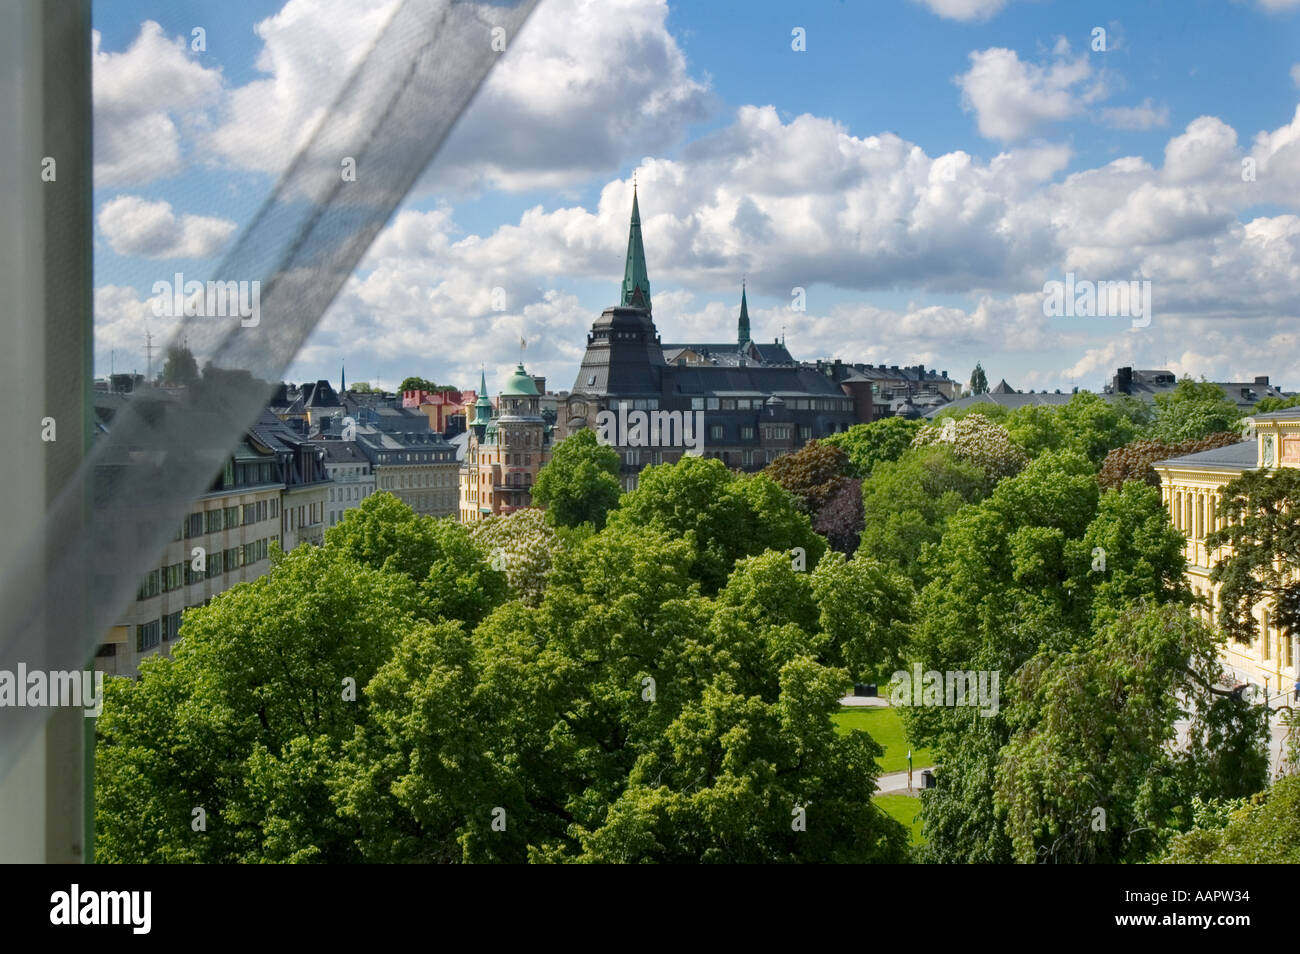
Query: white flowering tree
[[980, 441], [522, 545]]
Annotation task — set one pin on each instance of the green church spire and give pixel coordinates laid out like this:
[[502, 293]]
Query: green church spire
[[482, 406], [635, 278], [742, 327]]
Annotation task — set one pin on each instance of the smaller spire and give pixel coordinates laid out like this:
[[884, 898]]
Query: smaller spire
[[742, 326]]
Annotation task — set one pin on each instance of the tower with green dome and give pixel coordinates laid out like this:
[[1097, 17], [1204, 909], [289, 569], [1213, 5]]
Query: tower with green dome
[[507, 447]]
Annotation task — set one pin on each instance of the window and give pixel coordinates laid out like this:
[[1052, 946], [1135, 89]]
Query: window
[[212, 521], [150, 586], [232, 517], [805, 433], [747, 433], [747, 457], [214, 564], [146, 635], [231, 560], [250, 513], [194, 525], [275, 508], [715, 432], [171, 626], [173, 577]]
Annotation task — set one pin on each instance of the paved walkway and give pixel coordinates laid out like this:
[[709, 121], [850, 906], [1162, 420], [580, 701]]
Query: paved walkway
[[864, 701], [895, 783]]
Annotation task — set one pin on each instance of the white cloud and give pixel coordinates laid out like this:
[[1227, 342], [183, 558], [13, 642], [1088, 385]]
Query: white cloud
[[136, 226], [1013, 99], [1295, 73], [143, 99], [964, 9], [1278, 6], [803, 202], [1146, 116], [583, 88]]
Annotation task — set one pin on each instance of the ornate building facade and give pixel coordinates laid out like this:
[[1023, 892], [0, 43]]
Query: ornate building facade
[[506, 448]]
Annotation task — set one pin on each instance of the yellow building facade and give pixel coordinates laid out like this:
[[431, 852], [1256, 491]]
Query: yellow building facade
[[1191, 488]]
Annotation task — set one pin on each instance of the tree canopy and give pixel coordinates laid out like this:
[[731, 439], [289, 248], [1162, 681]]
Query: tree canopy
[[579, 484]]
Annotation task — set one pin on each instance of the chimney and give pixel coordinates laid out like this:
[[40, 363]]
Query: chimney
[[1124, 381], [1261, 380]]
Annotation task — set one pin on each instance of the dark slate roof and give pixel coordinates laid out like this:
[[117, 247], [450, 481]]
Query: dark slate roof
[[1286, 414], [320, 394], [399, 419], [1003, 388], [273, 433], [1011, 401], [730, 352], [1239, 456], [342, 452], [750, 379]]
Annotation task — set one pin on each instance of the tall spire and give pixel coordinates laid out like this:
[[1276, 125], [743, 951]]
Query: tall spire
[[742, 326], [635, 278]]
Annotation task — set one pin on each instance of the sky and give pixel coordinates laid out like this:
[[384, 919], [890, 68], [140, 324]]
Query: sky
[[912, 172]]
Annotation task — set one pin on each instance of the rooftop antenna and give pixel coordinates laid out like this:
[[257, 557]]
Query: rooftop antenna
[[148, 350]]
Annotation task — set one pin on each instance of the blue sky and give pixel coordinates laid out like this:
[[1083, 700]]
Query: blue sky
[[921, 169]]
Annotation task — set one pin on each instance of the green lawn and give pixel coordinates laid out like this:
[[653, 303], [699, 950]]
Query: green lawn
[[886, 727], [905, 810]]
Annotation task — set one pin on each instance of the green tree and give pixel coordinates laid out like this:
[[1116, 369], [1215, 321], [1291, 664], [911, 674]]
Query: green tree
[[1270, 404], [247, 718], [454, 573], [1264, 830], [1091, 732], [865, 610], [979, 382], [869, 444], [1014, 577], [580, 482], [422, 384], [624, 718], [907, 503], [1260, 529], [180, 366], [363, 387], [1193, 410], [725, 516]]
